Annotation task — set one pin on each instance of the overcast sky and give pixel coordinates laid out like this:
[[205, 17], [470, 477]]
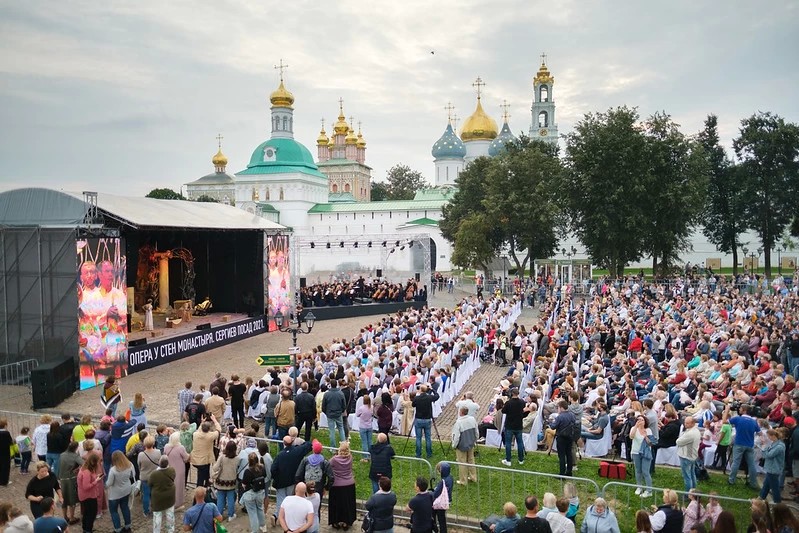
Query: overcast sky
[[127, 96]]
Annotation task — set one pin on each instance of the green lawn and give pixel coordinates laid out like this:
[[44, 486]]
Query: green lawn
[[498, 484]]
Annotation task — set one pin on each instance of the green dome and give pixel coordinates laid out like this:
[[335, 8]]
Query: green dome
[[281, 152]]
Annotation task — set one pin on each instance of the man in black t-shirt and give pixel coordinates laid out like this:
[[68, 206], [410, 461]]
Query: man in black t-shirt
[[195, 410], [421, 508], [514, 415], [532, 523]]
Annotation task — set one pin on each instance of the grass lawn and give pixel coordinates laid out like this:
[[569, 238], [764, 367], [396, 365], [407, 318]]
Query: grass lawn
[[498, 484]]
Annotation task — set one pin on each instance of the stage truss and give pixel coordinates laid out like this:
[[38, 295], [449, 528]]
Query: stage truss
[[394, 242]]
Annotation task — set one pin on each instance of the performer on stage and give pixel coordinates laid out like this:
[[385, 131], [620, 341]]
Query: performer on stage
[[148, 315]]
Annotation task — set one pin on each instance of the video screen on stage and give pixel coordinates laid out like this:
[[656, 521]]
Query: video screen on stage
[[278, 289], [102, 310]]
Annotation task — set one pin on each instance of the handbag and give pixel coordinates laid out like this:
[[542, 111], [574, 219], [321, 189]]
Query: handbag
[[368, 523], [127, 415], [220, 527], [442, 502]]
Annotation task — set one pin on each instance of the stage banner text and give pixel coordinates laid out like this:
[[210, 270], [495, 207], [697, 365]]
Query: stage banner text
[[159, 353]]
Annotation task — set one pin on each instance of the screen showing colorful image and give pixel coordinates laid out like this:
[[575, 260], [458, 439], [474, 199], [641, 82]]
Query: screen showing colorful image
[[102, 310], [277, 267]]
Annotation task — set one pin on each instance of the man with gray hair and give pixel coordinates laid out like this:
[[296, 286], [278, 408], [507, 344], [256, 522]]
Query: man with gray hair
[[469, 403], [464, 438]]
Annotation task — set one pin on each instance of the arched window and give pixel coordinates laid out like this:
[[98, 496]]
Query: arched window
[[335, 187], [346, 187], [543, 93], [281, 193], [285, 123], [266, 194], [543, 119]]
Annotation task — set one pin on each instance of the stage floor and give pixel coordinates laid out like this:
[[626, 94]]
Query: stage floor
[[162, 332]]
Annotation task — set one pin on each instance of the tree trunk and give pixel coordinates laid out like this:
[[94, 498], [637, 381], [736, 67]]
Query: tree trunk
[[734, 260], [767, 262], [655, 265]]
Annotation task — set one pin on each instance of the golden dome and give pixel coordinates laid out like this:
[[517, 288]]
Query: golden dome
[[543, 75], [219, 160], [479, 126], [361, 142], [281, 97], [341, 127], [330, 143], [322, 139], [351, 138]]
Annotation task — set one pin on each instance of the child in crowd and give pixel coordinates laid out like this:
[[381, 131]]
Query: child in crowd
[[161, 437], [25, 445], [694, 514], [713, 509]]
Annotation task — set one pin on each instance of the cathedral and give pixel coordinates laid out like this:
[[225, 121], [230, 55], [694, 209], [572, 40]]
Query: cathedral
[[326, 203]]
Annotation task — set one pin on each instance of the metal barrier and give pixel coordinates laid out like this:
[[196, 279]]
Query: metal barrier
[[18, 373], [623, 501], [496, 485], [16, 421]]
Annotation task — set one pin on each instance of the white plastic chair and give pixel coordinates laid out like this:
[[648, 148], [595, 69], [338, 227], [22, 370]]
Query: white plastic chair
[[668, 456], [599, 447], [493, 436]]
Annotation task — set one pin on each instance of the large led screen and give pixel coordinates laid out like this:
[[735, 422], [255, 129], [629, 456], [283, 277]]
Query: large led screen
[[102, 310], [279, 279]]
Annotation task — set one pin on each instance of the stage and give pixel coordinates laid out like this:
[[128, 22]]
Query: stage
[[348, 311], [161, 331]]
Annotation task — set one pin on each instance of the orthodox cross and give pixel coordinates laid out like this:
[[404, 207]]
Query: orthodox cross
[[505, 106], [323, 124], [341, 106], [455, 121], [479, 84], [281, 67], [449, 108], [219, 140], [352, 121], [544, 59]]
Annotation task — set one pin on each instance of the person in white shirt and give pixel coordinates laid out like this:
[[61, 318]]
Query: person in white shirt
[[688, 451], [469, 403], [558, 521], [296, 513]]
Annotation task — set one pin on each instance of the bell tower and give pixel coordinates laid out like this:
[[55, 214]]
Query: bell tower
[[543, 125]]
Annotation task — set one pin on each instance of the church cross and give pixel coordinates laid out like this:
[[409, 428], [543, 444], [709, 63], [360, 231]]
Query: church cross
[[341, 105], [359, 126], [352, 121], [323, 124], [505, 106], [281, 67], [455, 121], [449, 108], [219, 140], [544, 58], [479, 84]]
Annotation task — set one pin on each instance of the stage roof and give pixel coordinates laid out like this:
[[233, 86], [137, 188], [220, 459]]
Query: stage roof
[[48, 207]]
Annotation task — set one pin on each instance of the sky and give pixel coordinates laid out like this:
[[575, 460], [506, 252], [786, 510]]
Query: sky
[[124, 97]]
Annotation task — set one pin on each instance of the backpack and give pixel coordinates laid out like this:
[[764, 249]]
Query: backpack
[[258, 483], [575, 431], [315, 473], [256, 393]]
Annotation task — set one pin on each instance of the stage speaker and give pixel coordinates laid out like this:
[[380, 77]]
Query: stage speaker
[[302, 283], [418, 277], [207, 325], [379, 272], [137, 342], [52, 383]]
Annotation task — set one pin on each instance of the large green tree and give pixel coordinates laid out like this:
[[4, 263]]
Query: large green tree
[[605, 187], [379, 191], [676, 180], [165, 194], [206, 198], [768, 150], [724, 217], [506, 204], [403, 182]]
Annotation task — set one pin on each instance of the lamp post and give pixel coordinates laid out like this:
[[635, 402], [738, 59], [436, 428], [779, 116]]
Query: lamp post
[[293, 326], [780, 249], [745, 250], [759, 251]]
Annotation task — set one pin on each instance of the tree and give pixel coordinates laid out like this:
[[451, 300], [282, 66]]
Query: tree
[[605, 189], [723, 220], [206, 198], [403, 183], [462, 222], [379, 191], [165, 194], [768, 150], [676, 185]]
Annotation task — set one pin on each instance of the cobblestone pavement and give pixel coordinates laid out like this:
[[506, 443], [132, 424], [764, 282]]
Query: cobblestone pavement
[[160, 386]]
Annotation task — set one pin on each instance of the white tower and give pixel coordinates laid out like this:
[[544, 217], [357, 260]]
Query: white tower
[[543, 126]]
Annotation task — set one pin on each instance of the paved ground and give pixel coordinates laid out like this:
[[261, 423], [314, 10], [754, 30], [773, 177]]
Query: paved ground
[[160, 388]]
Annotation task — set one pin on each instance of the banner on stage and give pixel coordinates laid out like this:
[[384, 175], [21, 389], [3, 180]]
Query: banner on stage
[[102, 310], [158, 353], [278, 289]]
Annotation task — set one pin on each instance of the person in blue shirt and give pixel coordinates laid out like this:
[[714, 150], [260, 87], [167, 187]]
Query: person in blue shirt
[[743, 447], [201, 517], [47, 523]]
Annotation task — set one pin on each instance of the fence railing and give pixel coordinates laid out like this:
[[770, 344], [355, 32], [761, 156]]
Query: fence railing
[[622, 500], [18, 373]]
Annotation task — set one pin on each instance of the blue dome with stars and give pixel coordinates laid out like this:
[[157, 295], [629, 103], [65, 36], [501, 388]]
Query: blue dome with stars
[[505, 136], [449, 145]]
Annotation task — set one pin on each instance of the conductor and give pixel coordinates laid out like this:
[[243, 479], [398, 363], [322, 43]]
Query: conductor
[[423, 403]]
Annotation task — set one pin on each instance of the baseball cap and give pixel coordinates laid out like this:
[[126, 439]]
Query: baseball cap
[[317, 446]]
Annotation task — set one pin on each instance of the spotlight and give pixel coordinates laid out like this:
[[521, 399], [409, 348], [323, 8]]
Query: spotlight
[[341, 244], [313, 245], [410, 244], [369, 244], [396, 244], [328, 246], [384, 244], [402, 248], [392, 251], [355, 244]]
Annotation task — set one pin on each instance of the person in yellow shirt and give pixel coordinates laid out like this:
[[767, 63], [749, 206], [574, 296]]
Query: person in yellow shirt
[[216, 404], [134, 439], [79, 431]]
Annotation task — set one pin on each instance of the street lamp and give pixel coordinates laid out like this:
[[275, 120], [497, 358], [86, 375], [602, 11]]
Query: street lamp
[[780, 249], [759, 251], [293, 326], [745, 250]]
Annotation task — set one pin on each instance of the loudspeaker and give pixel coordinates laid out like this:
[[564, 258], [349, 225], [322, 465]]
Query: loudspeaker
[[418, 277], [52, 383], [302, 283], [207, 325], [137, 342], [379, 272]]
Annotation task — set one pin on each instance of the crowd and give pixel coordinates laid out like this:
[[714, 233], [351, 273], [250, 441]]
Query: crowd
[[361, 291], [392, 372]]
